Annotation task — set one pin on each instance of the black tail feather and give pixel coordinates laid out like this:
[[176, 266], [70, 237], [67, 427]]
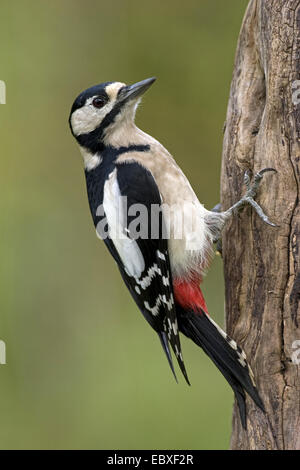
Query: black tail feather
[[165, 344], [224, 352]]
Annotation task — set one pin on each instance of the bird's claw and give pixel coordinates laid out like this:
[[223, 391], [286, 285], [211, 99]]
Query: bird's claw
[[251, 193], [258, 176]]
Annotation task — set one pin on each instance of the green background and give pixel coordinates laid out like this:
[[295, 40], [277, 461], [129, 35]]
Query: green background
[[84, 370]]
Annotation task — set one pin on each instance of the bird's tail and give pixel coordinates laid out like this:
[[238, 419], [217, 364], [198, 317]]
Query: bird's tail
[[225, 353]]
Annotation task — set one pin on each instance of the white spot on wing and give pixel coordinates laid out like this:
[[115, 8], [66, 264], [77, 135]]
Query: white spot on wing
[[169, 303], [161, 255], [161, 299], [154, 310], [138, 290], [146, 281]]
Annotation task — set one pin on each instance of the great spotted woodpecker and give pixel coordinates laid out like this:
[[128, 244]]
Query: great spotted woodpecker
[[162, 272]]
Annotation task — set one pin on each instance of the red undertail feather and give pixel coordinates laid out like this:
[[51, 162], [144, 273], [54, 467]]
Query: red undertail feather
[[189, 295]]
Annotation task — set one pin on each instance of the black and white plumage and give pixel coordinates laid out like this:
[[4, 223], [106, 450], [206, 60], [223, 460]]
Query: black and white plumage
[[143, 263], [163, 274]]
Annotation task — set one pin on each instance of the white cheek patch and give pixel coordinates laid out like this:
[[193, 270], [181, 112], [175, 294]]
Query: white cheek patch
[[88, 118]]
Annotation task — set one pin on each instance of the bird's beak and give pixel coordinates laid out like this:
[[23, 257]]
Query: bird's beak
[[136, 90]]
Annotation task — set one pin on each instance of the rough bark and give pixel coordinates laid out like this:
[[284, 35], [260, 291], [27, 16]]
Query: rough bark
[[261, 263]]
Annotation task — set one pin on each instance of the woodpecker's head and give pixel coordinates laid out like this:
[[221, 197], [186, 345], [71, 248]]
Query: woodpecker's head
[[104, 110]]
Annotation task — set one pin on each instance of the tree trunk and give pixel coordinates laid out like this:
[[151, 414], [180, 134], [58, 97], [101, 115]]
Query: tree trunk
[[262, 263]]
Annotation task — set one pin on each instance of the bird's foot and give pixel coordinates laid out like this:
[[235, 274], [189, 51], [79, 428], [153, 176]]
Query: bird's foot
[[217, 209], [248, 198]]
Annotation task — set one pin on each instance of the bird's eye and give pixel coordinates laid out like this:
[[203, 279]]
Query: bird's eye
[[98, 102]]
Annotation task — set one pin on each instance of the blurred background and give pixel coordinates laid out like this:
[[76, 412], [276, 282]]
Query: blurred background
[[84, 370]]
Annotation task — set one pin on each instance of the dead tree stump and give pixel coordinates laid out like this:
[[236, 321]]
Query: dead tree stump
[[261, 263]]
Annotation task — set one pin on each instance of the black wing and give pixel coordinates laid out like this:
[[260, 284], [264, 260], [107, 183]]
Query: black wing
[[142, 256]]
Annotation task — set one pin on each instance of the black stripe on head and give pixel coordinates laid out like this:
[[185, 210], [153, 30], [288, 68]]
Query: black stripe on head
[[93, 140], [110, 117], [97, 90]]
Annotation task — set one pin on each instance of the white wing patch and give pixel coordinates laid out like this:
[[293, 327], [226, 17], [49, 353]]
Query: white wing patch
[[127, 248]]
